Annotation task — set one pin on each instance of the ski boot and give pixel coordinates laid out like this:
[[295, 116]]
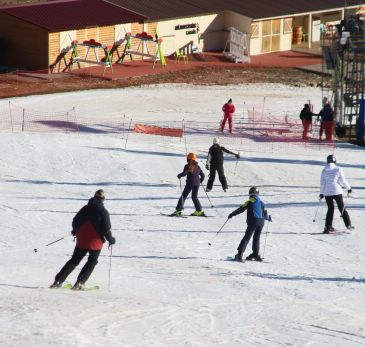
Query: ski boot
[[238, 257], [350, 227], [198, 214], [56, 284], [177, 213], [328, 230], [253, 256], [78, 286]]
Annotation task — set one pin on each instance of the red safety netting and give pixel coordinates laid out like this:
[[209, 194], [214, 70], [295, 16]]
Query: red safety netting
[[157, 130]]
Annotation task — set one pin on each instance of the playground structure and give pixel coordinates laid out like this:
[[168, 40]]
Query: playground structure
[[143, 50], [236, 48], [343, 48], [91, 45]]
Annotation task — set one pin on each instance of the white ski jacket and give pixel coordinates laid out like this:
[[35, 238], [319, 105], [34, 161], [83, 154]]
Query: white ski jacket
[[333, 180]]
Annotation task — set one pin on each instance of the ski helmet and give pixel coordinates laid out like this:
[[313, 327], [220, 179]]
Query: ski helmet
[[100, 194], [253, 191], [216, 141], [331, 159], [191, 156]]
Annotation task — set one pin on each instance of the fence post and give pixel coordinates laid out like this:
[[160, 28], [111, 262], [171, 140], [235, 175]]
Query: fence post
[[11, 118], [23, 125], [129, 129]]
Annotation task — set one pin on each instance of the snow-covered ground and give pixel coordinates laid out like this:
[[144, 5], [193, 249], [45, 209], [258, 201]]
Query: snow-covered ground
[[168, 287]]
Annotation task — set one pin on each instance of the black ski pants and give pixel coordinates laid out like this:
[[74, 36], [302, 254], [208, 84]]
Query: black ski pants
[[331, 209], [194, 197], [222, 178], [255, 230], [77, 256]]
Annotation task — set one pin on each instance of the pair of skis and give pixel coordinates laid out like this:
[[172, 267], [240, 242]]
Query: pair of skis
[[70, 286], [184, 215]]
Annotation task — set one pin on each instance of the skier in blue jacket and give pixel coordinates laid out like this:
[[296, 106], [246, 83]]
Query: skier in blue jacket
[[256, 216]]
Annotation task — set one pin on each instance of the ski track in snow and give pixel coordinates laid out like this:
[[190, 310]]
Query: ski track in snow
[[168, 286]]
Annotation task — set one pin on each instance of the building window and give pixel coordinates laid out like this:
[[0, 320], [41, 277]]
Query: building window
[[270, 36], [254, 30], [288, 26]]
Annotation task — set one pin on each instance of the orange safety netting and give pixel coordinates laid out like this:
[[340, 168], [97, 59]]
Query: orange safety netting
[[155, 130]]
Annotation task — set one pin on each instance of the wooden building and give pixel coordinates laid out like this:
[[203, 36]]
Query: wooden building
[[38, 36]]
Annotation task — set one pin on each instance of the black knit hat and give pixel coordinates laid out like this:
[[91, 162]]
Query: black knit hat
[[331, 159], [100, 194], [253, 191], [230, 100]]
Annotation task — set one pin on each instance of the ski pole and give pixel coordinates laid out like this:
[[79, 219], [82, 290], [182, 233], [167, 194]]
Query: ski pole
[[344, 206], [48, 244], [235, 168], [211, 205], [181, 197], [110, 265], [267, 231], [315, 215], [210, 243]]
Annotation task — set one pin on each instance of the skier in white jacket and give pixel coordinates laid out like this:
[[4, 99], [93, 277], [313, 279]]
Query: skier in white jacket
[[332, 181]]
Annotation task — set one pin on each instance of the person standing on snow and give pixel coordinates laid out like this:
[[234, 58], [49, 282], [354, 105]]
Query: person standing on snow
[[228, 110], [215, 164], [256, 216], [332, 181], [195, 176], [326, 116], [91, 226], [306, 116]]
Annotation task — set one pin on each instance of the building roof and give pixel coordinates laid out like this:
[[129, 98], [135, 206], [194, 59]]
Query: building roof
[[255, 9], [164, 9], [62, 15]]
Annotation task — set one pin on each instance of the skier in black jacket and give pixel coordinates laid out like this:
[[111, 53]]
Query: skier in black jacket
[[215, 163]]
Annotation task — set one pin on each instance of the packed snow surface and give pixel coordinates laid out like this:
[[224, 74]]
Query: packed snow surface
[[167, 285]]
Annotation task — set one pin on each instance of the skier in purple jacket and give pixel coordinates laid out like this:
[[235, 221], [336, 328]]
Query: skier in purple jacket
[[194, 177]]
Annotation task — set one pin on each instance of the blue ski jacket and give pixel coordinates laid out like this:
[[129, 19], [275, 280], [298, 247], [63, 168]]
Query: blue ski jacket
[[256, 212]]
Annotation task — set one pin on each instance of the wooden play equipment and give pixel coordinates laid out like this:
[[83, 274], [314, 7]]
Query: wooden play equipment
[[93, 46], [142, 49]]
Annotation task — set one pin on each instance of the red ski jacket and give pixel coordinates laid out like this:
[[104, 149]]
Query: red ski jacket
[[228, 109]]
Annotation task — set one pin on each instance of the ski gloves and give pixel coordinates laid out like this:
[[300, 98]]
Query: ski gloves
[[237, 156], [321, 196], [230, 216], [349, 192], [112, 241], [207, 167]]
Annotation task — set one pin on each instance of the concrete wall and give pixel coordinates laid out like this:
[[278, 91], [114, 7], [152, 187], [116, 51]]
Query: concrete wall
[[205, 33]]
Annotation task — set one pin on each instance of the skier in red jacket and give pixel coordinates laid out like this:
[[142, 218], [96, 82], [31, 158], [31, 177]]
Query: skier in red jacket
[[91, 227], [228, 109]]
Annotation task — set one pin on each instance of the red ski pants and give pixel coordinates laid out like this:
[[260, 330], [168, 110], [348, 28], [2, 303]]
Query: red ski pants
[[229, 118]]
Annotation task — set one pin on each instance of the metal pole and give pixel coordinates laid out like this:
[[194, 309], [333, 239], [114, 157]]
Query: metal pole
[[129, 129], [211, 205], [315, 215], [210, 243], [110, 265], [51, 243], [267, 231]]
